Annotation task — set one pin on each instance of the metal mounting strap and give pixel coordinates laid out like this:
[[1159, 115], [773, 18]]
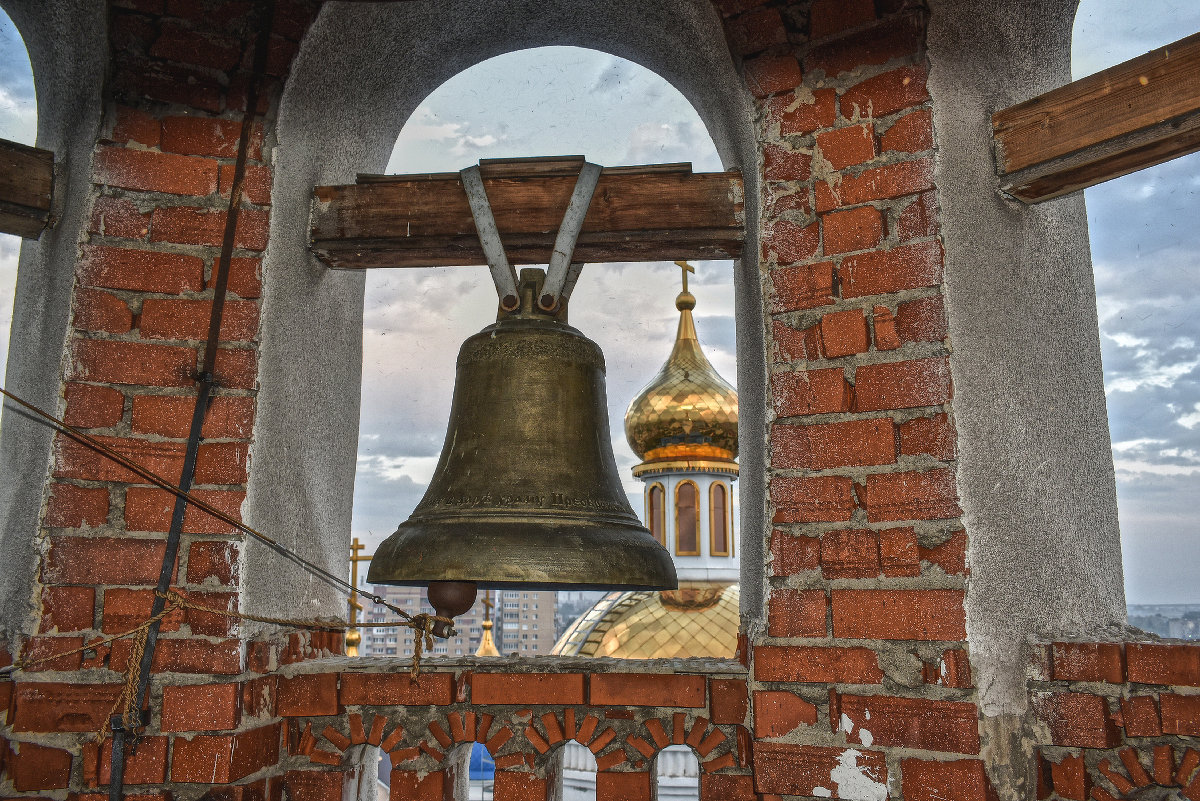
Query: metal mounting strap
[[562, 273], [503, 274]]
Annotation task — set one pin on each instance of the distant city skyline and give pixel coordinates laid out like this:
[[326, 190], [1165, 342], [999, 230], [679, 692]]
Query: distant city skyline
[[1145, 247]]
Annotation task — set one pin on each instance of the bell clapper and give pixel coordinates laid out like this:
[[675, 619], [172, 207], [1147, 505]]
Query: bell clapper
[[450, 599]]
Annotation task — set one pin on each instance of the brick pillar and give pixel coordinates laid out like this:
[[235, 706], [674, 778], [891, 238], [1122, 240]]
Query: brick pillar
[[161, 174], [865, 645]]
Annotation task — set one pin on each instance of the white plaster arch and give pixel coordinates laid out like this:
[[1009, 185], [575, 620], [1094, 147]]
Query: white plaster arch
[[341, 111]]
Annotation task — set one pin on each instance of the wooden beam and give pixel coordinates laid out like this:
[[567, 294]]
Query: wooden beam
[[26, 185], [1126, 118], [653, 213]]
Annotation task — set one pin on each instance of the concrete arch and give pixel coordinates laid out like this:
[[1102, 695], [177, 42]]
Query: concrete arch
[[340, 114], [67, 41]]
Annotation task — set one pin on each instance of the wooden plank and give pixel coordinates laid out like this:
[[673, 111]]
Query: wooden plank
[[1125, 118], [416, 221], [26, 187]]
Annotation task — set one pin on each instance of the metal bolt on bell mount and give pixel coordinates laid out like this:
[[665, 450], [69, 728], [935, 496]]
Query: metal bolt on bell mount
[[526, 492]]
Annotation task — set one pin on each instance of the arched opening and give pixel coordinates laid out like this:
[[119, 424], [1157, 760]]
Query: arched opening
[[656, 512], [542, 101], [18, 123], [575, 774], [676, 774], [1145, 247], [687, 519]]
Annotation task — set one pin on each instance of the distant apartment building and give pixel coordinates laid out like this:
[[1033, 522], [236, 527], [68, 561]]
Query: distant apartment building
[[525, 623]]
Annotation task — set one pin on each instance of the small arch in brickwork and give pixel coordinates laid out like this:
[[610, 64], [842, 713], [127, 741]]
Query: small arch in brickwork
[[557, 729], [701, 737], [1157, 774]]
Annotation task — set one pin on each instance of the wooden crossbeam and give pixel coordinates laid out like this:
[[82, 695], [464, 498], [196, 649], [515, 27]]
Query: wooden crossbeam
[[26, 186], [1126, 118], [650, 213]]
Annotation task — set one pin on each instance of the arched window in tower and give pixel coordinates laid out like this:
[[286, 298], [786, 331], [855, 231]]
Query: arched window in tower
[[687, 519], [718, 519], [656, 518]]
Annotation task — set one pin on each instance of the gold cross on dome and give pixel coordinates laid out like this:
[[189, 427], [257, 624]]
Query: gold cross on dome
[[687, 268], [487, 605]]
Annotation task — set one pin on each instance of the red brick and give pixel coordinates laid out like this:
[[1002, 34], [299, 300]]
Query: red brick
[[912, 133], [911, 496], [1180, 714], [898, 37], [67, 609], [1139, 717], [791, 555], [784, 164], [730, 701], [190, 319], [389, 689], [803, 287], [196, 656], [124, 609], [1070, 778], [902, 385], [237, 368], [52, 706], [149, 171], [846, 147], [767, 75], [853, 229], [643, 689], [810, 392], [796, 346], [323, 786], [797, 613], [922, 320], [101, 311], [254, 750], [727, 787], [899, 615], [820, 664], [844, 333], [146, 765], [256, 184], [213, 560], [934, 436], [223, 463], [778, 713], [134, 125], [804, 111], [245, 277], [849, 553], [52, 653], [203, 758], [118, 217], [180, 44], [1160, 663], [228, 417], [879, 183], [888, 93], [38, 767], [952, 669], [208, 136], [898, 552], [787, 243], [829, 17], [72, 507], [818, 447], [140, 270], [312, 695], [201, 707], [73, 460], [1077, 719], [201, 226], [1087, 662], [961, 780], [112, 362], [93, 407], [903, 267], [509, 785], [823, 499], [950, 726], [149, 509], [950, 556], [787, 769], [755, 31], [168, 83], [626, 786], [918, 219], [102, 560]]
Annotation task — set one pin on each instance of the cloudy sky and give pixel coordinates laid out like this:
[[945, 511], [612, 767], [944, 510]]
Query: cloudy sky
[[1146, 249]]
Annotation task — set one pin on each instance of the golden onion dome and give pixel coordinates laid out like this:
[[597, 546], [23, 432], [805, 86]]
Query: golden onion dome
[[687, 411], [697, 620]]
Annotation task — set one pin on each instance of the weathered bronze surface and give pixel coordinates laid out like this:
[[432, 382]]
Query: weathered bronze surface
[[526, 491]]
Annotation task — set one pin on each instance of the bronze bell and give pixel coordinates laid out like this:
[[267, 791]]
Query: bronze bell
[[526, 492]]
